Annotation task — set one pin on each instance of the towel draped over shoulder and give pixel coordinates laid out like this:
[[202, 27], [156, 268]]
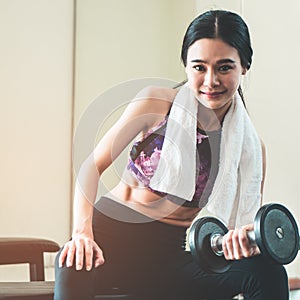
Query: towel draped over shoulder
[[236, 194]]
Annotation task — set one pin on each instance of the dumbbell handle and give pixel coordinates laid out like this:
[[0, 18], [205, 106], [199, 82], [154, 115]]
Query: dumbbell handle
[[217, 238]]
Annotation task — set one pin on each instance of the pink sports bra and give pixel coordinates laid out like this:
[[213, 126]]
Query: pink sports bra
[[145, 155]]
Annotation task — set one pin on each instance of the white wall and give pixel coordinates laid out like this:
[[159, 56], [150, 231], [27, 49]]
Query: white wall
[[35, 117]]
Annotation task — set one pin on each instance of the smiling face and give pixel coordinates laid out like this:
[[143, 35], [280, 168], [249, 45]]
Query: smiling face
[[214, 72]]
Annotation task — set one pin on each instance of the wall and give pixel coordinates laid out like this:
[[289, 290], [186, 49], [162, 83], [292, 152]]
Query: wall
[[273, 90], [118, 41], [35, 117]]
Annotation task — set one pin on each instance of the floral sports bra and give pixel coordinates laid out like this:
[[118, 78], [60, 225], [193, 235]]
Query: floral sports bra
[[145, 155]]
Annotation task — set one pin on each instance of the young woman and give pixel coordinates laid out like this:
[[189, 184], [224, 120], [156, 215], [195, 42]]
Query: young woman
[[198, 149]]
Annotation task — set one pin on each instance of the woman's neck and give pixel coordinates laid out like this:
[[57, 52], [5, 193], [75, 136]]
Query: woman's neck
[[211, 119]]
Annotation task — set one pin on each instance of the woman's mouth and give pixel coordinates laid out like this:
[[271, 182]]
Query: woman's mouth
[[212, 95]]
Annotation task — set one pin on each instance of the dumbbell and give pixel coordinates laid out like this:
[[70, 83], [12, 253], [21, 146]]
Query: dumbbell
[[275, 233]]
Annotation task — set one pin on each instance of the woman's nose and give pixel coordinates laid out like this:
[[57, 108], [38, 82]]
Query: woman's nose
[[211, 79]]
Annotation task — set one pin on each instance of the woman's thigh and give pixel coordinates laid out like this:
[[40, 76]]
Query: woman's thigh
[[137, 256], [254, 277], [144, 258]]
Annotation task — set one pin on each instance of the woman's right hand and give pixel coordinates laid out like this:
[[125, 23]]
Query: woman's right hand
[[79, 250], [236, 244]]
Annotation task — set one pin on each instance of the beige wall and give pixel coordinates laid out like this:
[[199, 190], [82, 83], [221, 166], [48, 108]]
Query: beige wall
[[122, 40], [273, 98], [35, 117]]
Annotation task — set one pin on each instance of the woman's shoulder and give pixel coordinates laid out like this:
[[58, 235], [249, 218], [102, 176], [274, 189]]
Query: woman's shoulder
[[155, 102], [149, 107], [158, 93]]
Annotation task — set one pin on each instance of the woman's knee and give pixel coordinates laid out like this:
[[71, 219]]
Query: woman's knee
[[262, 279], [73, 284]]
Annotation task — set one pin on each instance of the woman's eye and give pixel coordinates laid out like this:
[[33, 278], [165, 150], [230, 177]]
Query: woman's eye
[[225, 68], [199, 68]]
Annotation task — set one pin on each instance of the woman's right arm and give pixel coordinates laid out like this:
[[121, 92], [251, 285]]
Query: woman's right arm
[[82, 245], [144, 111]]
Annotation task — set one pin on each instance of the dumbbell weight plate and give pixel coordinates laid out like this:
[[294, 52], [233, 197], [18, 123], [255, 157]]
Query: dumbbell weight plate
[[200, 245], [276, 233]]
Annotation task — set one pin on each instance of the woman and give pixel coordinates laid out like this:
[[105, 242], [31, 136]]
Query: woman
[[134, 237]]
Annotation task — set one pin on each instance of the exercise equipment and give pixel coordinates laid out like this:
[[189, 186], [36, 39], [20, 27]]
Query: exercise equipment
[[275, 233]]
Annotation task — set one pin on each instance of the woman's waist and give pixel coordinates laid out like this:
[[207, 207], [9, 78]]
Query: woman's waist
[[115, 223], [150, 204]]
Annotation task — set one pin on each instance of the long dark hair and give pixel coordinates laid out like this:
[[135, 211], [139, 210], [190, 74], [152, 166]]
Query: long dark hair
[[224, 25]]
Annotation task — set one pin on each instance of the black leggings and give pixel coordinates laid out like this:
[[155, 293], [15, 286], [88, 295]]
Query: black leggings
[[148, 260]]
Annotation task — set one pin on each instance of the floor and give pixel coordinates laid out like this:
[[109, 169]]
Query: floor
[[295, 295]]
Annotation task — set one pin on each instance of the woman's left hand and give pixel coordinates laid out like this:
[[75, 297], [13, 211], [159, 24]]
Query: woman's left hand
[[236, 244]]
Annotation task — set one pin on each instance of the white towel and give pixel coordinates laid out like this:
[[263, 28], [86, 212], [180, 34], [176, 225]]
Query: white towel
[[235, 197]]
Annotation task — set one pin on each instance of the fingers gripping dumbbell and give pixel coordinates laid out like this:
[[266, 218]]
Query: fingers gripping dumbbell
[[275, 233]]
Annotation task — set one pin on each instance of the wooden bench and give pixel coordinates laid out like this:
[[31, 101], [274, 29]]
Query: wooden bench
[[27, 250], [43, 290]]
